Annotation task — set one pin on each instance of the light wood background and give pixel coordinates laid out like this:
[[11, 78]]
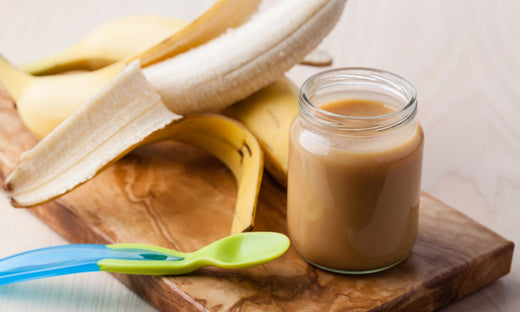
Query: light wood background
[[463, 56]]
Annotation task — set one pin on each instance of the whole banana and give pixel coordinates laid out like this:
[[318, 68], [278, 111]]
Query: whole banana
[[136, 104]]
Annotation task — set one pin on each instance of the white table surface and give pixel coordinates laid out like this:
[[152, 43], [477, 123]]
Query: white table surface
[[463, 56]]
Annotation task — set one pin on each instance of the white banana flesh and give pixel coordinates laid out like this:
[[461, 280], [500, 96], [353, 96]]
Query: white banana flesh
[[89, 140], [246, 59], [208, 78]]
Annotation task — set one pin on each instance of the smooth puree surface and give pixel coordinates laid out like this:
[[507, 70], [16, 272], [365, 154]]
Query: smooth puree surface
[[358, 108], [349, 208]]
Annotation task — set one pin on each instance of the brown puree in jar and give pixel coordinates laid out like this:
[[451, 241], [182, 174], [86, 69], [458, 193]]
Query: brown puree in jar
[[353, 206]]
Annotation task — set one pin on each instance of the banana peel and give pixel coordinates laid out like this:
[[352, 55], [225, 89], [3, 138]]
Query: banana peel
[[52, 168], [234, 145]]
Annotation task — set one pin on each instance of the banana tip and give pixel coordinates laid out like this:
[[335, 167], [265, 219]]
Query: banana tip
[[13, 202], [8, 188]]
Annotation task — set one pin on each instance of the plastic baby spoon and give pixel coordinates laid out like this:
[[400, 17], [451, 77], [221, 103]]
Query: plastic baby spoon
[[233, 252]]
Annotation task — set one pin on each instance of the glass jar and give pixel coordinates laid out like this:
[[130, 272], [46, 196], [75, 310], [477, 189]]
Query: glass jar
[[354, 179]]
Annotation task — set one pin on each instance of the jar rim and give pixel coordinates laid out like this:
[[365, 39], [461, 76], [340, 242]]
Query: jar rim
[[379, 122]]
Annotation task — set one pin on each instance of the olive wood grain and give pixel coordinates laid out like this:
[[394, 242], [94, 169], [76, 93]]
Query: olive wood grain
[[176, 196]]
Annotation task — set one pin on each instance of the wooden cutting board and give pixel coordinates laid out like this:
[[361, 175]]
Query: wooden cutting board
[[178, 197]]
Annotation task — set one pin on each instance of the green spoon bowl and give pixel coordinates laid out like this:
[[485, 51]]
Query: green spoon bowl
[[233, 252]]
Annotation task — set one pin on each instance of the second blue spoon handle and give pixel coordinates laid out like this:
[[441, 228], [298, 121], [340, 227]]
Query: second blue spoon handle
[[67, 259]]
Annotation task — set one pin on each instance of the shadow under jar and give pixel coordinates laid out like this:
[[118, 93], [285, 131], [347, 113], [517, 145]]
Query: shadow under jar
[[355, 162]]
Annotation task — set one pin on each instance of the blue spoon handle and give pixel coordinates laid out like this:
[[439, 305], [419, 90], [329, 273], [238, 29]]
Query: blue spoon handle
[[68, 259]]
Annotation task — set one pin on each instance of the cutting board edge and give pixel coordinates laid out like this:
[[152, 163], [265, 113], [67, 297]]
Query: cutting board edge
[[460, 213], [446, 283]]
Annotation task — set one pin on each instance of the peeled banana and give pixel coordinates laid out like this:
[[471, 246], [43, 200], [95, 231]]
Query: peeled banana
[[138, 103]]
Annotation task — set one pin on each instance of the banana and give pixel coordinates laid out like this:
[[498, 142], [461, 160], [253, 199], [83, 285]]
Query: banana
[[109, 43], [44, 102], [268, 114], [137, 103]]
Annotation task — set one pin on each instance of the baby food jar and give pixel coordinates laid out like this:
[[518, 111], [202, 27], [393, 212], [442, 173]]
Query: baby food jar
[[355, 162]]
